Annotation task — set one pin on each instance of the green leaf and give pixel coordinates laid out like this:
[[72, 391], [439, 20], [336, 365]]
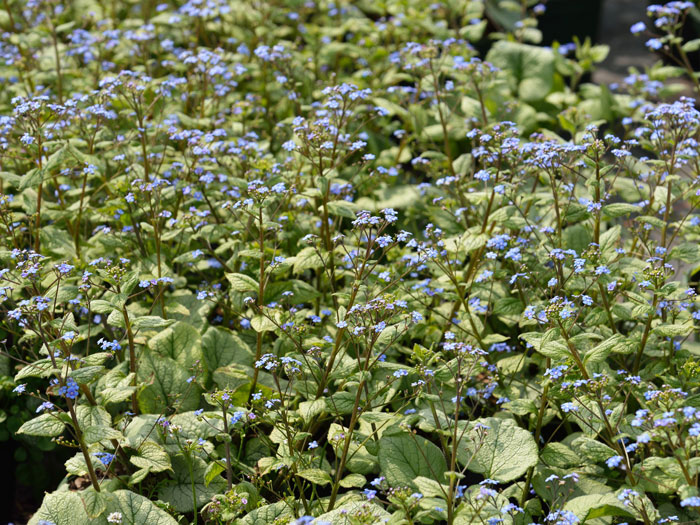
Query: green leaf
[[178, 491], [32, 178], [242, 283], [138, 476], [100, 306], [530, 68], [618, 209], [649, 219], [151, 322], [577, 237], [166, 384], [307, 259], [340, 403], [431, 488], [374, 513], [151, 456], [341, 208], [316, 476], [194, 427], [311, 409], [559, 455], [599, 352], [180, 342], [593, 506], [506, 453], [546, 344], [303, 292], [260, 323], [97, 433], [76, 465], [47, 425], [221, 347], [89, 415], [40, 368], [87, 374], [353, 481], [507, 306], [62, 508], [402, 458], [231, 377], [673, 330], [214, 469], [119, 392], [267, 514], [95, 502], [592, 449], [136, 509], [391, 107], [691, 45]]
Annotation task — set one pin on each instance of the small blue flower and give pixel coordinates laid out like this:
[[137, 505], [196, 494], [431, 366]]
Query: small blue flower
[[654, 44], [70, 390], [614, 461], [638, 28], [691, 502]]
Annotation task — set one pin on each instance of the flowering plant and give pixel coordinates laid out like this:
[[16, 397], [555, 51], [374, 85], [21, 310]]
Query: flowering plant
[[314, 262]]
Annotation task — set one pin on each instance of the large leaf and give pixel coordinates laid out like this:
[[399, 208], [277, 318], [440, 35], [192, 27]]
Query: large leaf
[[601, 351], [403, 457], [47, 425], [89, 415], [221, 347], [316, 476], [596, 506], [178, 491], [530, 69], [180, 342], [151, 456], [267, 514], [167, 384], [194, 427], [96, 433], [40, 368], [339, 514], [136, 510], [242, 283], [62, 508], [69, 508], [505, 454]]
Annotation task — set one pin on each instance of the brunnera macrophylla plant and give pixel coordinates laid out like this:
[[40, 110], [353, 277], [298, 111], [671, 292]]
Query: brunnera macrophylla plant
[[321, 262]]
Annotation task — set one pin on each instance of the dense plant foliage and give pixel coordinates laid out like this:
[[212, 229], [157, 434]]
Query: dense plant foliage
[[352, 262]]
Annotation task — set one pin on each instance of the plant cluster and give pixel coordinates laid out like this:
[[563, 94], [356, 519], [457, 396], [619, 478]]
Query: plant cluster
[[348, 262]]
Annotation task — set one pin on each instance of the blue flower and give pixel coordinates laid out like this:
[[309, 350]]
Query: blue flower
[[691, 502], [614, 461], [654, 44], [70, 390], [638, 28], [104, 457]]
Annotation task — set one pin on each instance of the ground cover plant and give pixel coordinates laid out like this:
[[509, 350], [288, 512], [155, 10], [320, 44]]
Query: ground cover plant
[[347, 262]]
